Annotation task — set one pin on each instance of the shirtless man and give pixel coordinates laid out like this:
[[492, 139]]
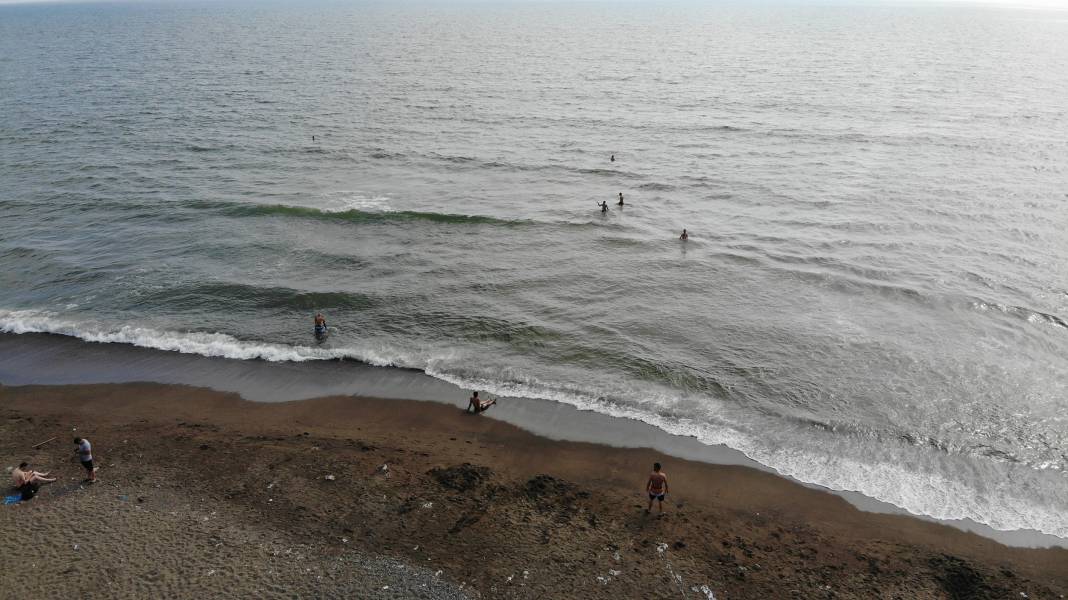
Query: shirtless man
[[621, 198], [476, 405], [685, 236], [657, 487], [27, 481], [604, 207]]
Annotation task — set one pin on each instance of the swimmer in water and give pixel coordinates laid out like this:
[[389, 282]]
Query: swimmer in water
[[613, 158], [604, 207], [621, 198], [684, 236]]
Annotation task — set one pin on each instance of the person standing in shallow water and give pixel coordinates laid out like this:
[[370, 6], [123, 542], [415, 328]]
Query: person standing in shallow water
[[657, 487], [604, 206], [684, 236], [621, 198]]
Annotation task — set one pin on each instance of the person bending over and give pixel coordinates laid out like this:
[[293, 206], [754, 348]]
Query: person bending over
[[84, 451]]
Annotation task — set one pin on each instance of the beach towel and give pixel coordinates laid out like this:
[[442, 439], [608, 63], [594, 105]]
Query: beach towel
[[12, 499]]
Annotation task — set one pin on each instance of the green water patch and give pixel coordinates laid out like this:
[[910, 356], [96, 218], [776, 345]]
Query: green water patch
[[352, 215], [236, 296]]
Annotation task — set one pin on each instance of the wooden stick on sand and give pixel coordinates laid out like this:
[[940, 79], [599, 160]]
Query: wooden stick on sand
[[44, 442]]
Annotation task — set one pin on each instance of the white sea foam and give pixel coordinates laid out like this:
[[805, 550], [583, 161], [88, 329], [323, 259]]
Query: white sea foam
[[204, 344], [1004, 505], [346, 200]]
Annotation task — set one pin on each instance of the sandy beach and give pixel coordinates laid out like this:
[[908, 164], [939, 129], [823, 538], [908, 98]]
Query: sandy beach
[[203, 494]]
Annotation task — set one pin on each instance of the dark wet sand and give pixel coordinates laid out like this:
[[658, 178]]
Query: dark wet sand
[[210, 482]]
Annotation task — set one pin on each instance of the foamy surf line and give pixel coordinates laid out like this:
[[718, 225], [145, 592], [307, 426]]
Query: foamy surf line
[[899, 488]]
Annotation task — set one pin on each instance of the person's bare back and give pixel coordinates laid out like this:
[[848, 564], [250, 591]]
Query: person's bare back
[[656, 487]]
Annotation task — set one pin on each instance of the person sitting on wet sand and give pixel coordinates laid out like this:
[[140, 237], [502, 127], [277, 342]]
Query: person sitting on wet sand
[[685, 236], [477, 405], [657, 487], [27, 481]]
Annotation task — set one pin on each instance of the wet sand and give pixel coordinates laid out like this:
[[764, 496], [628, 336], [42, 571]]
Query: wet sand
[[202, 493]]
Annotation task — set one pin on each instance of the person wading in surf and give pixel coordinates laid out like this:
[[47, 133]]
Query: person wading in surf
[[604, 207], [621, 198]]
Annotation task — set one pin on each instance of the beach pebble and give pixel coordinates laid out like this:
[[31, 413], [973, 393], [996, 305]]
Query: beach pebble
[[330, 478]]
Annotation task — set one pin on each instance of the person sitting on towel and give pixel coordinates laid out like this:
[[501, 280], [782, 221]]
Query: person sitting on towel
[[27, 481]]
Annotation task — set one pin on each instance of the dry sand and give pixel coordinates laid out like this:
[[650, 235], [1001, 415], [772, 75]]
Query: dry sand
[[202, 494]]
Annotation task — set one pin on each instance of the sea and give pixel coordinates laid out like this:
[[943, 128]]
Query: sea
[[873, 296]]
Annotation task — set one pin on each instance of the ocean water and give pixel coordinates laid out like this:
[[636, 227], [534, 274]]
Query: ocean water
[[874, 296]]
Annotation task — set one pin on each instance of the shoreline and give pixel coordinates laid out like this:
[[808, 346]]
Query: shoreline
[[461, 486], [50, 359]]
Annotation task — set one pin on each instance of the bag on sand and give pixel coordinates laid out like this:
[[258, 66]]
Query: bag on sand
[[28, 491]]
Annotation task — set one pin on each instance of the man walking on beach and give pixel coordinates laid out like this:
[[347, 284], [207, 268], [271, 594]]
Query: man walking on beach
[[657, 486], [85, 455]]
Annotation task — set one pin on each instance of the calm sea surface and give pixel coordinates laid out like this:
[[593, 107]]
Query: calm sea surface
[[874, 296]]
